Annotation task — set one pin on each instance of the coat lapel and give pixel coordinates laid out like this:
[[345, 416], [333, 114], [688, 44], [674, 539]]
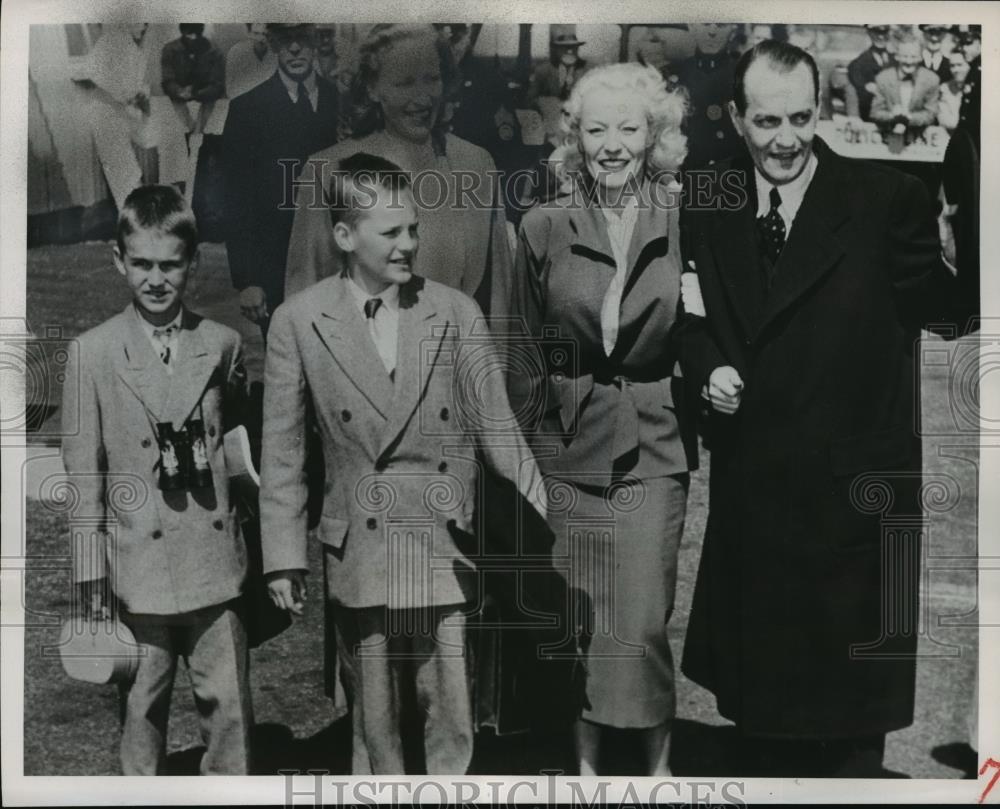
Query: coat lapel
[[813, 246], [192, 370], [734, 244], [143, 373], [343, 331], [417, 347]]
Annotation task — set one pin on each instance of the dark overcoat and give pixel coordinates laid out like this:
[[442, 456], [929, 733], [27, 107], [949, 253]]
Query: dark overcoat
[[803, 622], [266, 141]]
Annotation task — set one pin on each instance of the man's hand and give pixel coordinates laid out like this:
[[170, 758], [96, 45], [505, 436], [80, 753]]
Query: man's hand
[[287, 589], [724, 389], [91, 600], [253, 304]]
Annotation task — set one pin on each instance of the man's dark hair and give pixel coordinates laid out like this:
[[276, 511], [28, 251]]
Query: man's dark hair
[[192, 28], [158, 207], [355, 179], [782, 56]]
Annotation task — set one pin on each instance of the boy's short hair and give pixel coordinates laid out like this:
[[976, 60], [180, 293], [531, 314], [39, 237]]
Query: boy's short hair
[[352, 187], [158, 207]]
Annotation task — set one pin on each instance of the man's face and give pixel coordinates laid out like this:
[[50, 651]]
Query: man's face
[[138, 30], [711, 37], [932, 38], [156, 267], [382, 244], [295, 51], [568, 54], [258, 33], [324, 41], [972, 47], [908, 57], [959, 66], [879, 36], [780, 120]]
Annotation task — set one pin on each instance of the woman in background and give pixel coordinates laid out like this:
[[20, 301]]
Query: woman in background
[[405, 73]]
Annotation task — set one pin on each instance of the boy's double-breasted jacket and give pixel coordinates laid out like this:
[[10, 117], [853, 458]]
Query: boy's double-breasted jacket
[[401, 453]]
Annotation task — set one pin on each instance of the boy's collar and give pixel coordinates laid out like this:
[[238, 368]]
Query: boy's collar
[[389, 295], [150, 327]]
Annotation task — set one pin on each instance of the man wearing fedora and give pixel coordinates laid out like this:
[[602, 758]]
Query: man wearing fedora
[[932, 55], [555, 78]]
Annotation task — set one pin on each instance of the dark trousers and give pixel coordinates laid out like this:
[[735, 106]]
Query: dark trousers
[[859, 757]]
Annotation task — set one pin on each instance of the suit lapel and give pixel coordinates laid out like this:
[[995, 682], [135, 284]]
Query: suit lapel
[[192, 370], [143, 373], [342, 329], [418, 344], [813, 246], [734, 245]]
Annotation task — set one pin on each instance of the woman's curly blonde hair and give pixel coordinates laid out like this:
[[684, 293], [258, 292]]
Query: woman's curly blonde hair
[[665, 112]]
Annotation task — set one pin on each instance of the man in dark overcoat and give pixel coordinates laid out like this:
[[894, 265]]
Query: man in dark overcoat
[[270, 132], [816, 274]]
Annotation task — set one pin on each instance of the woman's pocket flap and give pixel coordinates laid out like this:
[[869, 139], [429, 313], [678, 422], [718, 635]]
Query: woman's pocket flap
[[882, 450], [332, 531]]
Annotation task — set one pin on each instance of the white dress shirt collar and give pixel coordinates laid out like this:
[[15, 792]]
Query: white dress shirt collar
[[389, 295], [292, 87], [791, 193]]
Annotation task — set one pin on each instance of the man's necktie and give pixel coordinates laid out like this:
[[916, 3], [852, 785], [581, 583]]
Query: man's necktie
[[163, 338], [371, 307], [302, 103], [772, 229]]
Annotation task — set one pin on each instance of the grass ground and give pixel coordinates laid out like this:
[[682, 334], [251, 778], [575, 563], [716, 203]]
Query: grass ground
[[71, 728]]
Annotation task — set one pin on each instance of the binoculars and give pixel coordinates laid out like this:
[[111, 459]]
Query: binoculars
[[183, 456]]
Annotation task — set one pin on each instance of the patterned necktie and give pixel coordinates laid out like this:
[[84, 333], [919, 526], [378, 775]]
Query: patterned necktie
[[164, 338], [772, 229]]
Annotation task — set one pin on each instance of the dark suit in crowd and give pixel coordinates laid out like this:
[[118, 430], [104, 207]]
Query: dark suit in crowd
[[264, 127]]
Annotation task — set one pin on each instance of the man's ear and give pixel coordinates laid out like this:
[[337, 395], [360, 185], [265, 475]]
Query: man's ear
[[119, 259], [195, 259], [736, 118], [343, 235]]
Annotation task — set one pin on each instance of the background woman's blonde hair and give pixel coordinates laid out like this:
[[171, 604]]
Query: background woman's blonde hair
[[366, 113], [665, 112]]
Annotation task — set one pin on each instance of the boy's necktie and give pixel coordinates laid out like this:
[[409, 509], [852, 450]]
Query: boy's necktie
[[164, 338], [377, 330]]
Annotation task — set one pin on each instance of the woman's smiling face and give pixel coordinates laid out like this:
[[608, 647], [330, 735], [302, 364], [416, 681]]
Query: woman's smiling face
[[613, 135], [409, 88]]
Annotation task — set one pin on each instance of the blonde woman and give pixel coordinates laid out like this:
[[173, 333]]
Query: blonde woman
[[405, 73], [599, 269]]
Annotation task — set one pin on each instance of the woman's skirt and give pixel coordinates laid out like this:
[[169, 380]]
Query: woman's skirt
[[617, 547]]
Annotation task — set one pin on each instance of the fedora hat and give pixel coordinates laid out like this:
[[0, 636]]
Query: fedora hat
[[560, 34], [98, 651]]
